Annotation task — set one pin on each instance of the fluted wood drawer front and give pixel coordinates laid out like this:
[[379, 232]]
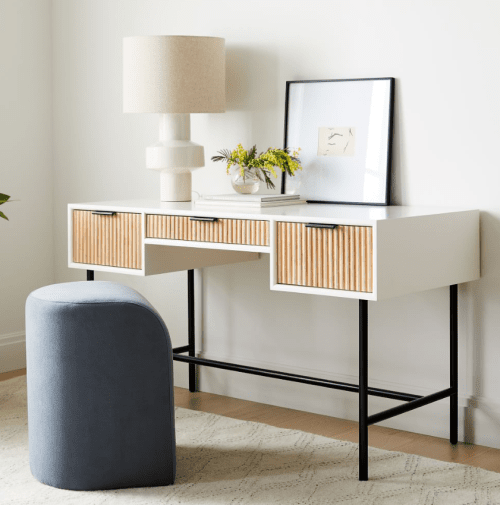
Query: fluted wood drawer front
[[226, 231], [111, 240], [339, 258]]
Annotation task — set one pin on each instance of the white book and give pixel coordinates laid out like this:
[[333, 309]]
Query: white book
[[250, 198], [252, 205]]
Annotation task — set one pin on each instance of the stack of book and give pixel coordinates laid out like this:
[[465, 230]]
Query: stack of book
[[255, 201]]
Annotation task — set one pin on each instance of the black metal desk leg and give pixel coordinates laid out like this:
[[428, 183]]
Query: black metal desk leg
[[454, 364], [191, 343], [363, 389], [90, 275]]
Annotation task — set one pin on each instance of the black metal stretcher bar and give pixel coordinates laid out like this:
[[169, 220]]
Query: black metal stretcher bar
[[407, 407], [304, 379]]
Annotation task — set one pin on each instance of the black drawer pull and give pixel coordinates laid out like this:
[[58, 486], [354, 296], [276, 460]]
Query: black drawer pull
[[206, 219], [104, 212], [321, 225]]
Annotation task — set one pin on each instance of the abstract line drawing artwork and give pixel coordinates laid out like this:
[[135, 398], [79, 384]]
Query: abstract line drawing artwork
[[336, 141], [344, 129]]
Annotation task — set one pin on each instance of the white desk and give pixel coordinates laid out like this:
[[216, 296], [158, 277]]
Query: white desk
[[360, 252]]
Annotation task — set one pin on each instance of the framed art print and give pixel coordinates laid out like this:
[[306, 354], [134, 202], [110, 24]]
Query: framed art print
[[344, 129]]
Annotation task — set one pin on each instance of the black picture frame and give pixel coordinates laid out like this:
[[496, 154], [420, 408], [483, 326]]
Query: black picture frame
[[386, 143]]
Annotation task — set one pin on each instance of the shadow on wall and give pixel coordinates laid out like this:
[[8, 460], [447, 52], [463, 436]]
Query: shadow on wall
[[482, 294]]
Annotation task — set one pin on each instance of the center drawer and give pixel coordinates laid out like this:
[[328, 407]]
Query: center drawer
[[202, 229], [325, 256]]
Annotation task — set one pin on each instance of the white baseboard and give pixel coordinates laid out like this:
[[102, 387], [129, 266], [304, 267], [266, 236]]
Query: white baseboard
[[12, 351], [479, 418]]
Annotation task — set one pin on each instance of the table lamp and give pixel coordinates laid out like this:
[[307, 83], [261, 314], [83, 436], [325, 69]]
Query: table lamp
[[174, 76]]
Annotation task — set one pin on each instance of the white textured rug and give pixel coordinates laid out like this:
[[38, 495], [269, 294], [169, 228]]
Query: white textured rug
[[222, 460]]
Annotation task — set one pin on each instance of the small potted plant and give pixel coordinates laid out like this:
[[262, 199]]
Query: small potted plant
[[248, 170], [3, 199]]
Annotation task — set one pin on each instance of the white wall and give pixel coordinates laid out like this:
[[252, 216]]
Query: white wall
[[444, 55], [26, 240]]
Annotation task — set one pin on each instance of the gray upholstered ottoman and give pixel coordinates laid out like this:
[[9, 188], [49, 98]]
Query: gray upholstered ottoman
[[100, 388]]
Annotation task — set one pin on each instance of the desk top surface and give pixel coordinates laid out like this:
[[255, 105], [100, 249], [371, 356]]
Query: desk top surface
[[346, 213]]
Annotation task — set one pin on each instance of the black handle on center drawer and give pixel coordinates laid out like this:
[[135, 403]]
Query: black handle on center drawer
[[104, 212], [321, 225], [208, 219]]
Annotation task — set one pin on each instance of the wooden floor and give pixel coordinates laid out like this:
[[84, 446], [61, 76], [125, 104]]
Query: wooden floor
[[384, 438]]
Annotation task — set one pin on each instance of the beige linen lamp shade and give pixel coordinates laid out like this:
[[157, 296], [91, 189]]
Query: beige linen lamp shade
[[173, 74]]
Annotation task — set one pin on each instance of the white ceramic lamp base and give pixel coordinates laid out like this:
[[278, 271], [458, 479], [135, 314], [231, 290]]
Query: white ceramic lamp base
[[175, 187], [175, 156]]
